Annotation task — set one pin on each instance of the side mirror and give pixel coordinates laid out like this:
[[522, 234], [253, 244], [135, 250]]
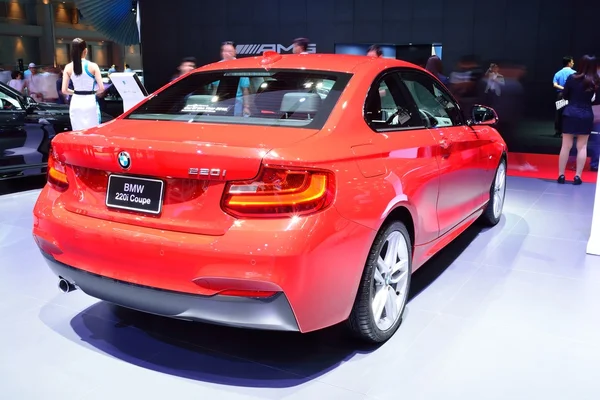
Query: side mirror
[[483, 115], [31, 107]]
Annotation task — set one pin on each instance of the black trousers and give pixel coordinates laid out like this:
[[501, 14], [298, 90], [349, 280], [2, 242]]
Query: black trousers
[[558, 117]]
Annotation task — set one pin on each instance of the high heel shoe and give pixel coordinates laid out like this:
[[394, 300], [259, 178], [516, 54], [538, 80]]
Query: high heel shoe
[[561, 179], [577, 180]]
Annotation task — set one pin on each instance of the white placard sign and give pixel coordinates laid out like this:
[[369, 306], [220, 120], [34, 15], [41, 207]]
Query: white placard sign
[[593, 246], [129, 87]]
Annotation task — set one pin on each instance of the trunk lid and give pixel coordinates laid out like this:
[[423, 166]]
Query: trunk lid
[[181, 169]]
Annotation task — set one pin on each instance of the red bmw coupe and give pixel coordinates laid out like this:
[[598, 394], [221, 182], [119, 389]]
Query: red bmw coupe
[[276, 192]]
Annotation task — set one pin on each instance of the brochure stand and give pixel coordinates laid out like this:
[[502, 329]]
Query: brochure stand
[[130, 88], [593, 246]]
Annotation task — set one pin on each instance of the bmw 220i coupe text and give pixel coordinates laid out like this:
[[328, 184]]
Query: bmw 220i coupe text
[[275, 192]]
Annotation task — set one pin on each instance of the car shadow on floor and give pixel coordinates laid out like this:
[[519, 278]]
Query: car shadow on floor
[[230, 356], [440, 262]]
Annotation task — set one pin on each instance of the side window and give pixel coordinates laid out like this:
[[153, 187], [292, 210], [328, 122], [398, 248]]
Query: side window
[[8, 103], [436, 107], [387, 108]]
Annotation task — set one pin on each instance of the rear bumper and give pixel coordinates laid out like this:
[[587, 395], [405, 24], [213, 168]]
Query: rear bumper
[[316, 262], [273, 313]]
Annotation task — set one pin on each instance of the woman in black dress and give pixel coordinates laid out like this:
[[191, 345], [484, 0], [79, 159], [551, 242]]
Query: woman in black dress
[[582, 89]]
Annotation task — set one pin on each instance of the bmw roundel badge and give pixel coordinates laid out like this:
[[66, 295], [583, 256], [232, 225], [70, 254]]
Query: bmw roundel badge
[[124, 160]]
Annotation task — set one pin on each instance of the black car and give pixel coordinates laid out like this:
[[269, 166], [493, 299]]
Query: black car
[[26, 129]]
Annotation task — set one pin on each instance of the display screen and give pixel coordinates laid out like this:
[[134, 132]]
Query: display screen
[[389, 51]]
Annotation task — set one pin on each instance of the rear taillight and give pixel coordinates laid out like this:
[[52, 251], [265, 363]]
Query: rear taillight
[[280, 192], [57, 173]]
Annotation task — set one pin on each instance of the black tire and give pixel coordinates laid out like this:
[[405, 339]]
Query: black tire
[[362, 322], [488, 217]]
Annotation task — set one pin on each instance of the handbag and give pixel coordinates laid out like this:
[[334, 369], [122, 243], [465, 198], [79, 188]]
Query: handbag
[[561, 103]]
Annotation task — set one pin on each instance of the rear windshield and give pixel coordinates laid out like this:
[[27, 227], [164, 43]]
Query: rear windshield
[[292, 98]]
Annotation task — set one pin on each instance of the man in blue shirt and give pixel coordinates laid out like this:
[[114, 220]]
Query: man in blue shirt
[[560, 78], [242, 103]]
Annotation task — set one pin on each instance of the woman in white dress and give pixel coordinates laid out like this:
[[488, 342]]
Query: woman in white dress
[[87, 82]]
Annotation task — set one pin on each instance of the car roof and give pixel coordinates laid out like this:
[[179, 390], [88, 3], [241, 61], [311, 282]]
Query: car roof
[[324, 62]]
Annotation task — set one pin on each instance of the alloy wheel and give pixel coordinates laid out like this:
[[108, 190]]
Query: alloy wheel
[[391, 277], [499, 190]]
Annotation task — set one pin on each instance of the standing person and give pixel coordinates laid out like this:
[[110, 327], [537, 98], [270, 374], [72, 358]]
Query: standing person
[[186, 65], [33, 83], [375, 51], [464, 82], [560, 78], [494, 80], [435, 66], [87, 82], [16, 82], [300, 46], [581, 90], [31, 67], [242, 101]]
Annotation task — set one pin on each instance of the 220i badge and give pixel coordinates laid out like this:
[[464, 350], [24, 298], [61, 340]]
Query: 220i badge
[[214, 173], [135, 194]]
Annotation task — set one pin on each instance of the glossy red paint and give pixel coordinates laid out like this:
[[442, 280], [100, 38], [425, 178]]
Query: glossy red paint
[[436, 179]]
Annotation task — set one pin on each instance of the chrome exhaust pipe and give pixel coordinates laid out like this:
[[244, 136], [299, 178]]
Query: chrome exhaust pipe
[[65, 286]]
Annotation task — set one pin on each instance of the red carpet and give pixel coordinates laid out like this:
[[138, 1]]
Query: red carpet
[[544, 166]]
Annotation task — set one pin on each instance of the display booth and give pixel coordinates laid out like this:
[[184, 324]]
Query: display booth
[[130, 88]]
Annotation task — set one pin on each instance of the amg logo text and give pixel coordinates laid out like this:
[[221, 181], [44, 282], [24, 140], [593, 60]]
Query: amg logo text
[[254, 49]]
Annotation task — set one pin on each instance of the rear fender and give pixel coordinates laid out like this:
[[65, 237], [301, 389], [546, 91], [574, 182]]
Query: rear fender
[[405, 212]]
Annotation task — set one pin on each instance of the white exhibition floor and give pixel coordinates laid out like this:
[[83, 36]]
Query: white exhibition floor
[[509, 313]]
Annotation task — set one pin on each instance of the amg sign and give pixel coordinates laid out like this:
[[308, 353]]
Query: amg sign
[[254, 49]]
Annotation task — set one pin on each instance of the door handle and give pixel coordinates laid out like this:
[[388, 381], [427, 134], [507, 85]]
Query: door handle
[[445, 144]]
